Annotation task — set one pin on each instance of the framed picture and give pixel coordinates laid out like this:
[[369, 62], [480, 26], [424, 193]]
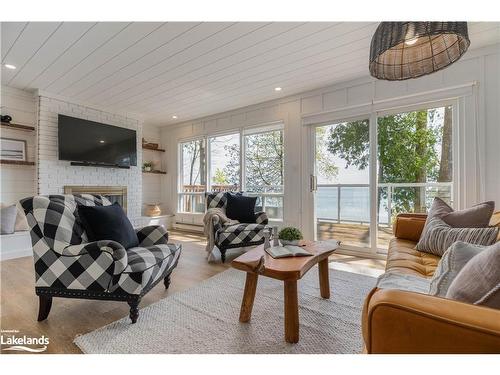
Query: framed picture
[[12, 149]]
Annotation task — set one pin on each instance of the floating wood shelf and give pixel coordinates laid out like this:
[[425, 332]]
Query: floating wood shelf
[[25, 128], [16, 162], [155, 172], [145, 147]]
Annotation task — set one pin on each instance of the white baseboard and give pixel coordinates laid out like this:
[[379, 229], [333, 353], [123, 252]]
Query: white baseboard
[[189, 227], [15, 245]]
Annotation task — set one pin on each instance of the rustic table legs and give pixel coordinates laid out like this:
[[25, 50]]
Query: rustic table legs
[[248, 297], [291, 312], [324, 282], [291, 300]]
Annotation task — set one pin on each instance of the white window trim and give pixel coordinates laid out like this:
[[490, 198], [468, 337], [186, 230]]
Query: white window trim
[[244, 131]]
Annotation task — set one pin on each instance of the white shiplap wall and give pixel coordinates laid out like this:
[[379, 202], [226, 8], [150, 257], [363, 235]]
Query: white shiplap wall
[[479, 175], [18, 182], [54, 174]]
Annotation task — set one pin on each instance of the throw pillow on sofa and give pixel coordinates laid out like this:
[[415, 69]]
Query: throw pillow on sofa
[[452, 262], [108, 223], [21, 221], [241, 208], [477, 216], [439, 236], [479, 281], [8, 219]]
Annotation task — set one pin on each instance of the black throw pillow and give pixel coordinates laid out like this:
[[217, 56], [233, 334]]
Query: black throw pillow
[[241, 208], [108, 223]]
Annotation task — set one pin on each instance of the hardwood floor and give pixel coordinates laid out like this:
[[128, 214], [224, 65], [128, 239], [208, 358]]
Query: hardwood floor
[[71, 317]]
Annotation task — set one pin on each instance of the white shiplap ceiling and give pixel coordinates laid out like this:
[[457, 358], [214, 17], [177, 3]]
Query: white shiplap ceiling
[[188, 69]]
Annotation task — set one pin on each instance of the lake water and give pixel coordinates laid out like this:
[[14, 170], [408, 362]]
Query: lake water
[[354, 204]]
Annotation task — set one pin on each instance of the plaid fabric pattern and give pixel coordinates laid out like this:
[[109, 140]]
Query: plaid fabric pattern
[[64, 260], [145, 266], [261, 218], [152, 235], [239, 235], [216, 200]]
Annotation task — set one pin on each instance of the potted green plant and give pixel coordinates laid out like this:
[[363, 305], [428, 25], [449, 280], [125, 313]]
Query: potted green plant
[[290, 236], [147, 166]]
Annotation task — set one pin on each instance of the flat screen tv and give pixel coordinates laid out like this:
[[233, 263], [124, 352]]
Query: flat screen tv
[[94, 143]]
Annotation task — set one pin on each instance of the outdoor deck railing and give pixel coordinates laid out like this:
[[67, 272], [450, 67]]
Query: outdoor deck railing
[[428, 190], [192, 197]]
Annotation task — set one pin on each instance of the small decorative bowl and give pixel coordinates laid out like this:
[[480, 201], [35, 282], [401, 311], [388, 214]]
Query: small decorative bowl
[[288, 242]]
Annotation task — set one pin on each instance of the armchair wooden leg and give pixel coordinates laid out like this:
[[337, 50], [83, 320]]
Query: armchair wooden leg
[[134, 310], [45, 303], [166, 281]]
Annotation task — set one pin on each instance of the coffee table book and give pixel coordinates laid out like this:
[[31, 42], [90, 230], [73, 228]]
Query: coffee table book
[[287, 251]]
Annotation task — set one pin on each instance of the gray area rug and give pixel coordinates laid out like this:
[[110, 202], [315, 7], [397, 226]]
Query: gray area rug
[[204, 319]]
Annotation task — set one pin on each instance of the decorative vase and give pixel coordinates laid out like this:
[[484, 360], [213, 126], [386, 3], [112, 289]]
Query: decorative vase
[[153, 209], [147, 169]]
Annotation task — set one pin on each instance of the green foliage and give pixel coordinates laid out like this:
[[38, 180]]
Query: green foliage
[[147, 164], [408, 151], [290, 234], [325, 164], [220, 177]]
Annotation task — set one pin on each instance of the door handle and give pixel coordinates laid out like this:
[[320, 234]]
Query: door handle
[[313, 183]]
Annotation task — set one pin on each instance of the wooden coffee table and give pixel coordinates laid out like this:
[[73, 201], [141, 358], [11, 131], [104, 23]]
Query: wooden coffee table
[[257, 262]]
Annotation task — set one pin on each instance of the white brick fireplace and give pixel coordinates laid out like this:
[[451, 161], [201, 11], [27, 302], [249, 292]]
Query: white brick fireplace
[[54, 175]]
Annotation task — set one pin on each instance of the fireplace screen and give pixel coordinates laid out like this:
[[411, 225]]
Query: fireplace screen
[[113, 193]]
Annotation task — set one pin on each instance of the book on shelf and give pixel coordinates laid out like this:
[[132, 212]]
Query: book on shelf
[[287, 251]]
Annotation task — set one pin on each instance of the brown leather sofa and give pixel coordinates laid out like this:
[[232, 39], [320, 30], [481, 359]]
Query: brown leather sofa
[[396, 321]]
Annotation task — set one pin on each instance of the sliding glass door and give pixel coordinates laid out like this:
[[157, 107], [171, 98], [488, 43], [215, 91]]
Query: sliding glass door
[[412, 164], [342, 182]]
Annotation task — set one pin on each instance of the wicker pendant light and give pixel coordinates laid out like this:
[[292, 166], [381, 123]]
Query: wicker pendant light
[[404, 50]]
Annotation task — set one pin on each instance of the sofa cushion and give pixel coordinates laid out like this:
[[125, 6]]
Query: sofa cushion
[[409, 226], [452, 262], [403, 281], [108, 223], [21, 222], [439, 236], [241, 208], [403, 258], [8, 219], [479, 280], [239, 234], [477, 216], [145, 267]]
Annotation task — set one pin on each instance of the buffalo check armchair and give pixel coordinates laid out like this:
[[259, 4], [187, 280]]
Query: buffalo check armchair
[[229, 236], [67, 265]]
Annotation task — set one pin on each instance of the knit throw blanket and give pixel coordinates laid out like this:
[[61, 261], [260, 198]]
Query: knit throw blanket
[[208, 228]]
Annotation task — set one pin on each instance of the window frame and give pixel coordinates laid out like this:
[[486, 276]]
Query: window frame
[[242, 132], [372, 115], [256, 131], [180, 180]]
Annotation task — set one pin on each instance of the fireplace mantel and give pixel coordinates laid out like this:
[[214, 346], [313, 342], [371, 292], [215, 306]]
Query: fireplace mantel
[[113, 193]]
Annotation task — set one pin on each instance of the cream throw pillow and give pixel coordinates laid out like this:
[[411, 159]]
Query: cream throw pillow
[[21, 223]]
